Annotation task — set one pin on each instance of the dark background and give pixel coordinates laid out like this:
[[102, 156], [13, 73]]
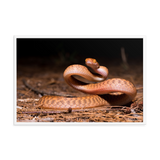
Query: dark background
[[63, 52]]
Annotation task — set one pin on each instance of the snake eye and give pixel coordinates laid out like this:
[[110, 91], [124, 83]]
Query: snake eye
[[94, 61]]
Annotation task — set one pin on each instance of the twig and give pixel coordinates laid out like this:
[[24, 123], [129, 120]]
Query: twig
[[19, 107], [139, 88], [124, 58], [41, 112], [25, 82], [42, 92], [28, 100]]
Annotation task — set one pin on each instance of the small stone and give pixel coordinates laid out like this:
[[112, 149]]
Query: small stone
[[69, 110]]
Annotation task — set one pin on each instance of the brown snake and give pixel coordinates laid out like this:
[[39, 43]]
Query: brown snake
[[114, 91]]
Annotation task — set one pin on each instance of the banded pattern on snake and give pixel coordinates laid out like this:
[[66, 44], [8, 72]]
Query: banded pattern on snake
[[114, 91]]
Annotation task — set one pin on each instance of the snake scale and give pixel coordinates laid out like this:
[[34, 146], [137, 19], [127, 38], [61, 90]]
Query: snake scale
[[114, 91]]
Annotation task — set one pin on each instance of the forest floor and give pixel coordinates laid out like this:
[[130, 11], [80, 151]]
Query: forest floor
[[48, 80]]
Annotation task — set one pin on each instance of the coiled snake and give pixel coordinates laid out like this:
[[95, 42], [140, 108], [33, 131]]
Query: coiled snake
[[114, 91]]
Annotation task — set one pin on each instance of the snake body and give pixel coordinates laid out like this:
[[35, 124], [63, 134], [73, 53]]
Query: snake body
[[114, 91]]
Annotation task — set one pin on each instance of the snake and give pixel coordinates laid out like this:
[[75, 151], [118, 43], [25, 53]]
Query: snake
[[100, 92]]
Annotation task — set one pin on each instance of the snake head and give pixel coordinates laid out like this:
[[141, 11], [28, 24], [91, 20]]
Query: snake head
[[90, 62]]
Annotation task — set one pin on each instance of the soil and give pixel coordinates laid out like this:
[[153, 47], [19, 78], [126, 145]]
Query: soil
[[36, 80]]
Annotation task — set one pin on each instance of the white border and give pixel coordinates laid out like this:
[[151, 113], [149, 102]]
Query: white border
[[79, 35], [147, 80], [11, 81], [75, 123]]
